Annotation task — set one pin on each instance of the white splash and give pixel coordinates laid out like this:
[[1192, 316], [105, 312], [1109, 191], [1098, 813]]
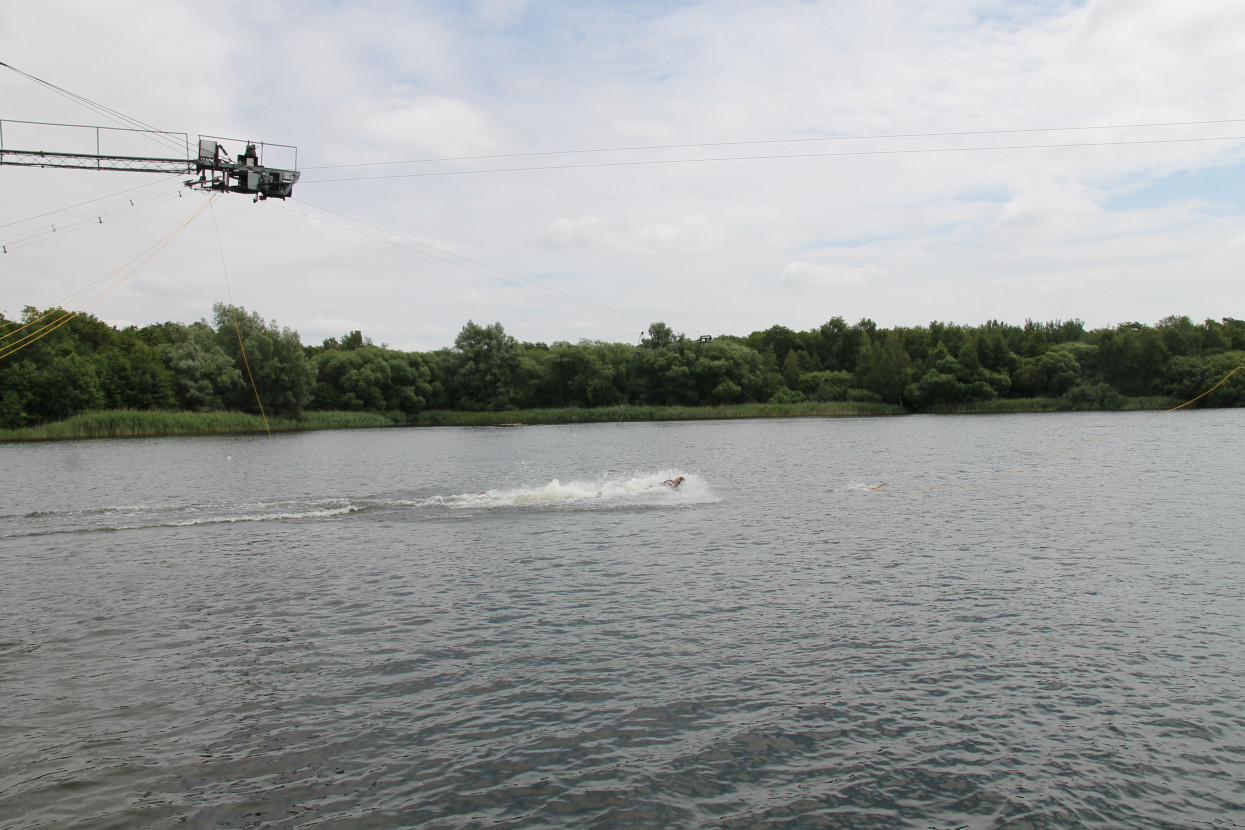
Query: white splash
[[642, 489]]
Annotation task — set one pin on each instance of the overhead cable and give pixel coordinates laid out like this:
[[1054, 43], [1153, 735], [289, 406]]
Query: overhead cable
[[57, 316], [58, 228], [706, 160], [758, 142], [107, 112], [79, 204], [472, 266]]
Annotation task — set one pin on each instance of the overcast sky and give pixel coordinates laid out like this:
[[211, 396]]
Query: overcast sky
[[805, 160]]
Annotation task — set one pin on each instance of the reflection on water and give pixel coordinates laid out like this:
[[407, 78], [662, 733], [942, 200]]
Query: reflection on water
[[525, 628]]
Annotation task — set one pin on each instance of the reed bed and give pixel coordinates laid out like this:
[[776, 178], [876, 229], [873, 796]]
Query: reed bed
[[135, 424], [1004, 405], [573, 415], [1001, 405]]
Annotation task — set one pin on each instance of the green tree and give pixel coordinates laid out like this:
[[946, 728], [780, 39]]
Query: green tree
[[372, 379], [1189, 377], [282, 374], [19, 382], [771, 376], [440, 365], [662, 377], [1051, 374], [1232, 390], [660, 336], [587, 374], [1093, 396], [780, 339], [952, 380], [1179, 336], [837, 345], [993, 351], [1131, 358], [134, 376], [791, 370], [935, 387], [69, 385], [826, 386], [884, 369], [1233, 333], [486, 368], [355, 340], [726, 372], [204, 374]]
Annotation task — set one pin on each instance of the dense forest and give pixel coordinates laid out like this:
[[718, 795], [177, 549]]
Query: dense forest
[[55, 364]]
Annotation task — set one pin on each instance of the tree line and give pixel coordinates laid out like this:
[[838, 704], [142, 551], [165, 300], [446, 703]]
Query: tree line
[[80, 364]]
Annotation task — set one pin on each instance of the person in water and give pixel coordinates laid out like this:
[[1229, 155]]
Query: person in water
[[673, 483]]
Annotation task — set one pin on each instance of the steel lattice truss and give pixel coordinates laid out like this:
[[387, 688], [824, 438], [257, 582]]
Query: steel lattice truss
[[84, 161]]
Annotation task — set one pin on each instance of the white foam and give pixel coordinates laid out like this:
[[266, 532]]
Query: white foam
[[315, 513], [144, 517], [645, 490], [608, 491]]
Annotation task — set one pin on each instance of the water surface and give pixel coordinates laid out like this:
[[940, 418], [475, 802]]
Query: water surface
[[521, 627]]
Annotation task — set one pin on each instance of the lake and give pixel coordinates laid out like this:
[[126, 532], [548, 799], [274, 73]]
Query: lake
[[523, 628]]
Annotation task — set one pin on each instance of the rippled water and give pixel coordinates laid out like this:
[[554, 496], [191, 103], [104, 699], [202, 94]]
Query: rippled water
[[522, 627]]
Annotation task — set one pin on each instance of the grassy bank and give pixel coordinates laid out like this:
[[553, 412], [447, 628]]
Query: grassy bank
[[571, 415], [130, 424], [1003, 405]]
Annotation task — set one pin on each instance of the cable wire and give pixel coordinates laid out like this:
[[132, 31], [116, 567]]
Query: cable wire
[[79, 204], [507, 278], [771, 157], [233, 313], [757, 142], [117, 276], [109, 113], [85, 220]]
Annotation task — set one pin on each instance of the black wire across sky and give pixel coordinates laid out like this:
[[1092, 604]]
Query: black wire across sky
[[705, 159]]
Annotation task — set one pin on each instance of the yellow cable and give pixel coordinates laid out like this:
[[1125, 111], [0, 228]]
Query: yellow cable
[[233, 313], [38, 333], [1061, 452], [141, 259], [58, 305]]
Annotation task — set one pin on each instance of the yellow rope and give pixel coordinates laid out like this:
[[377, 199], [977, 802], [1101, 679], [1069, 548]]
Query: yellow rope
[[1028, 467], [233, 313], [58, 306], [38, 333], [137, 263]]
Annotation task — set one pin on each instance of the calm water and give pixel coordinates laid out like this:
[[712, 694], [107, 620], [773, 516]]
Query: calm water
[[505, 628]]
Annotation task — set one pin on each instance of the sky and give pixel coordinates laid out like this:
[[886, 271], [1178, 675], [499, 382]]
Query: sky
[[580, 170]]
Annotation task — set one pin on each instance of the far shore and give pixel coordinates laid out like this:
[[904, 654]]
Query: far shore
[[134, 424]]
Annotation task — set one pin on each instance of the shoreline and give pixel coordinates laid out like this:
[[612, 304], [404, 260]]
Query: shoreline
[[139, 424]]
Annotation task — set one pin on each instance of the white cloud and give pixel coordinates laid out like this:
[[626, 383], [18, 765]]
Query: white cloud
[[727, 247], [582, 231], [424, 126], [691, 234], [500, 12], [1050, 209], [816, 276]]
